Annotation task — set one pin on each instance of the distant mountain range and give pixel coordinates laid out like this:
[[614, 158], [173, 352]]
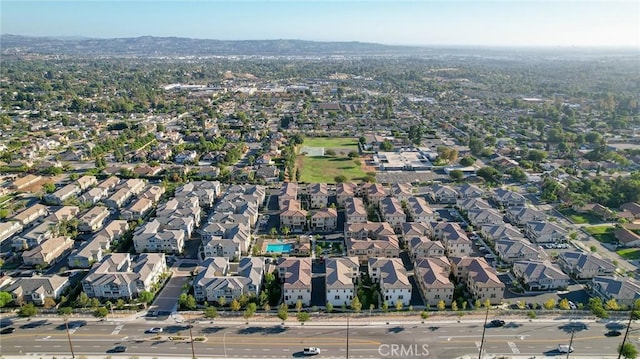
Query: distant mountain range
[[176, 46]]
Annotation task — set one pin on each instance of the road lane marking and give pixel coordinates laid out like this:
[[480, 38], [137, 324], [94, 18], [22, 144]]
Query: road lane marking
[[117, 329], [513, 347]]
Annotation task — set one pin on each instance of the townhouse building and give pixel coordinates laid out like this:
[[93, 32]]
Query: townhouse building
[[432, 277], [340, 280], [295, 274], [392, 278], [93, 220], [120, 275]]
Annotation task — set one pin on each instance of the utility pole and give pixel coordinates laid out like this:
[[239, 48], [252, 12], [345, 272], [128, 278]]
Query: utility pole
[[347, 335], [573, 332], [626, 333], [66, 325], [193, 351], [484, 329]]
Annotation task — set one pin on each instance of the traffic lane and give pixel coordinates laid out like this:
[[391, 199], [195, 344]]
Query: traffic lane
[[234, 343]]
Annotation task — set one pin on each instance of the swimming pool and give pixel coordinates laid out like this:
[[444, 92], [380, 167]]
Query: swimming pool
[[279, 247]]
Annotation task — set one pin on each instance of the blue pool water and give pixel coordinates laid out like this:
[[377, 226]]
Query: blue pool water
[[279, 247]]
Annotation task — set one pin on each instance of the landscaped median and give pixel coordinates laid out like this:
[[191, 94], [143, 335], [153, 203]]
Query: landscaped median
[[174, 338]]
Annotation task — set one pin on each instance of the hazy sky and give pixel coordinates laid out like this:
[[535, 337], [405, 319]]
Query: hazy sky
[[420, 22]]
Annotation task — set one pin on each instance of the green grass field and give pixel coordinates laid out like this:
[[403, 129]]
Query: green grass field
[[603, 234], [629, 253], [332, 142], [580, 218], [325, 169]]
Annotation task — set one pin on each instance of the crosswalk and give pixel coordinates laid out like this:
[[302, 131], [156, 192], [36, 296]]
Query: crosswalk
[[117, 329]]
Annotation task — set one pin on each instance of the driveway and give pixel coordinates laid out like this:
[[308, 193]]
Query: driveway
[[167, 299]]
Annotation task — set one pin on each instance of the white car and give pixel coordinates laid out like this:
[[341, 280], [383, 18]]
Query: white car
[[311, 351], [155, 330]]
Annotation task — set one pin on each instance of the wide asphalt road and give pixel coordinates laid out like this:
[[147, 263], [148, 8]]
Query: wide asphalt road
[[257, 341]]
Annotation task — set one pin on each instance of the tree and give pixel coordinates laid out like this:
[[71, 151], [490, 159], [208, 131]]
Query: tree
[[467, 161], [456, 175], [187, 301], [399, 305], [283, 312], [356, 305], [564, 304], [210, 312], [628, 350], [146, 297], [48, 303], [303, 317], [386, 146], [487, 303], [329, 307], [5, 299], [65, 311], [340, 179], [454, 305], [424, 314], [476, 146], [235, 305], [477, 304], [299, 305], [273, 232], [385, 307], [549, 304], [611, 304], [49, 187], [101, 312], [489, 174], [28, 310], [82, 300], [441, 305], [247, 314]]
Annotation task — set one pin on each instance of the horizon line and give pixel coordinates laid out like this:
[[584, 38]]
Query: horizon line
[[548, 46]]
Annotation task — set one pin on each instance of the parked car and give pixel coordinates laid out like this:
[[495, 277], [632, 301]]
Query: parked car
[[612, 333], [311, 351], [497, 323], [7, 330]]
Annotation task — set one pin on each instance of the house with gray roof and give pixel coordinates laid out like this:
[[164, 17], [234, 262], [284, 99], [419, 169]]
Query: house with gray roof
[[472, 203], [545, 232], [506, 198], [500, 231], [478, 217], [443, 194], [392, 212], [540, 275], [581, 265], [355, 211], [467, 190], [36, 289], [120, 275], [625, 290], [420, 211], [510, 251], [521, 215]]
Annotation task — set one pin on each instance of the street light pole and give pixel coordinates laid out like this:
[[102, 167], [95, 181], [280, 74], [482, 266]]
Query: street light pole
[[484, 329], [193, 351], [66, 325], [347, 335], [573, 332], [626, 333]]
